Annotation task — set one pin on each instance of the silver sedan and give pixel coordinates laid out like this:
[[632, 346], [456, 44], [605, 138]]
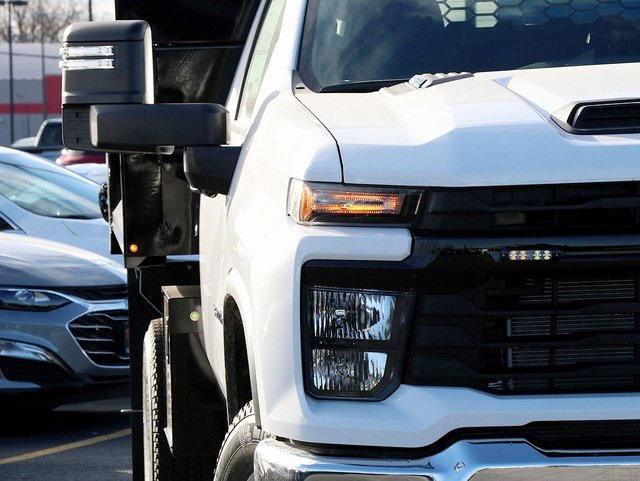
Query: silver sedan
[[63, 321]]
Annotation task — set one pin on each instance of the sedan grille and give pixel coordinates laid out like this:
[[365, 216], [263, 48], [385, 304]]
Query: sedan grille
[[98, 293], [104, 337]]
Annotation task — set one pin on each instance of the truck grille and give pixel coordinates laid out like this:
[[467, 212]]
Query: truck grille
[[516, 334], [104, 337], [511, 210]]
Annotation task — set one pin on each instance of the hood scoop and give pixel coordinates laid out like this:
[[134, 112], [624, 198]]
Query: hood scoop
[[600, 118]]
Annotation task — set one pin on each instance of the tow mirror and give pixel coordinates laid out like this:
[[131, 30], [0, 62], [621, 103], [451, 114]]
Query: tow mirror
[[108, 95], [103, 63], [156, 127]]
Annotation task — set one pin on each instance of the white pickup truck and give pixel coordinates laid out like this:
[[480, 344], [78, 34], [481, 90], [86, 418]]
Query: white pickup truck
[[403, 275]]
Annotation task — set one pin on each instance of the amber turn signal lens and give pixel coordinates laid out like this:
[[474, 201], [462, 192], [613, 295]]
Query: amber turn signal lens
[[133, 248], [329, 203], [319, 203]]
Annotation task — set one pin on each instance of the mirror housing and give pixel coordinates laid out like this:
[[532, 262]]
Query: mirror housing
[[108, 95], [156, 128], [103, 63], [210, 170]]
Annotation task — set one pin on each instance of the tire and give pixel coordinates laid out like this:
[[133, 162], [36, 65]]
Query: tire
[[159, 463], [235, 461]]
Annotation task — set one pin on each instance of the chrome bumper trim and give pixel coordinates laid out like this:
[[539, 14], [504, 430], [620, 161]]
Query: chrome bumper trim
[[464, 461]]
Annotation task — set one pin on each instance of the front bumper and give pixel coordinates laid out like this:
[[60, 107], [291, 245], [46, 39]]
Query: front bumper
[[510, 460], [59, 361]]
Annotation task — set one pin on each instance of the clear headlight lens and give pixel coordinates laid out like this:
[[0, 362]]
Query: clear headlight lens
[[348, 371], [30, 300], [353, 341], [326, 203]]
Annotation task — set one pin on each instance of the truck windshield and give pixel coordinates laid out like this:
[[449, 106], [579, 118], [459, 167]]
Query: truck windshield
[[372, 41]]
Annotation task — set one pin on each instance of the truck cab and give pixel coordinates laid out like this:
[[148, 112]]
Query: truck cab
[[418, 230]]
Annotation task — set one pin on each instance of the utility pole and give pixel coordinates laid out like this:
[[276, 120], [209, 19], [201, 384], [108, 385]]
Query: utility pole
[[91, 10], [9, 4], [41, 16], [12, 116]]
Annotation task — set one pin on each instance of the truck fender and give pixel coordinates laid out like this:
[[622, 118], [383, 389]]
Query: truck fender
[[238, 295]]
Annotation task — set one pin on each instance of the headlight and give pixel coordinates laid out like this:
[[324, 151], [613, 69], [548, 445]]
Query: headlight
[[353, 341], [30, 300], [325, 203]]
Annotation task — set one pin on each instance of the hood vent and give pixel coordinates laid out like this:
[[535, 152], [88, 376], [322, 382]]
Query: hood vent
[[607, 117]]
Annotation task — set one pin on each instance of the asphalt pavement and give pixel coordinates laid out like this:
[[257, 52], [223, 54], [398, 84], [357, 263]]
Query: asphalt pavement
[[88, 442]]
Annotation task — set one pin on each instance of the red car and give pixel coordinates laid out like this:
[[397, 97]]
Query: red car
[[74, 157]]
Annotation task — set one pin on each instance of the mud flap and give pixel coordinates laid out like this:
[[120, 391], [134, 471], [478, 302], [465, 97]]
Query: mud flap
[[196, 409]]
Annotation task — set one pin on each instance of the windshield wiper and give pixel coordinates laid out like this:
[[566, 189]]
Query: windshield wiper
[[364, 86]]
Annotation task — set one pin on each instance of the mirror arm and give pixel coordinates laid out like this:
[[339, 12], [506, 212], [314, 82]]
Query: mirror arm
[[210, 169]]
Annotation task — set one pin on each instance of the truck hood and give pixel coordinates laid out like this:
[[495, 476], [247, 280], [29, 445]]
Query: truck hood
[[490, 129]]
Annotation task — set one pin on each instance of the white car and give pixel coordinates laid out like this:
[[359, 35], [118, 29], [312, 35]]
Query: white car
[[94, 172], [41, 199]]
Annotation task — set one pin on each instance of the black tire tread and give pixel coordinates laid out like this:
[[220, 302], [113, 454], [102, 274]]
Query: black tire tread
[[168, 467], [256, 435]]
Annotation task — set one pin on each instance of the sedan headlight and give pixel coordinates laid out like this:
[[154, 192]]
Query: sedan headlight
[[353, 341], [326, 203], [30, 300]]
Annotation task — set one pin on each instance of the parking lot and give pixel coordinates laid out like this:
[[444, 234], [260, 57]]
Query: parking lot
[[89, 442]]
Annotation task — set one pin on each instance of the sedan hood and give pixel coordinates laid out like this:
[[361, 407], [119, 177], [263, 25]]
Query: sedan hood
[[489, 129], [30, 262]]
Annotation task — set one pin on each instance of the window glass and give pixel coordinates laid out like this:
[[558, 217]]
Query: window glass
[[47, 190], [263, 49], [51, 134], [4, 224], [348, 41]]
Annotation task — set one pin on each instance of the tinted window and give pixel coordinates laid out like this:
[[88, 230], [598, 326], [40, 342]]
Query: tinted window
[[363, 40], [4, 224], [51, 134], [46, 189]]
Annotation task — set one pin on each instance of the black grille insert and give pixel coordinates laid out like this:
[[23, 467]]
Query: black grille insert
[[42, 373], [104, 337], [513, 210], [98, 293], [531, 335]]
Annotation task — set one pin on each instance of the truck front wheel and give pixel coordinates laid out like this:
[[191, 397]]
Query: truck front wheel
[[159, 463], [235, 461]]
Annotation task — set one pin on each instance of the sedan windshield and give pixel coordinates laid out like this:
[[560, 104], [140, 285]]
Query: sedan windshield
[[46, 189], [348, 41]]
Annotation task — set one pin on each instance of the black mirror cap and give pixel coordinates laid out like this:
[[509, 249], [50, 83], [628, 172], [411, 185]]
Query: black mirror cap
[[103, 63], [210, 170], [156, 128], [107, 63]]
